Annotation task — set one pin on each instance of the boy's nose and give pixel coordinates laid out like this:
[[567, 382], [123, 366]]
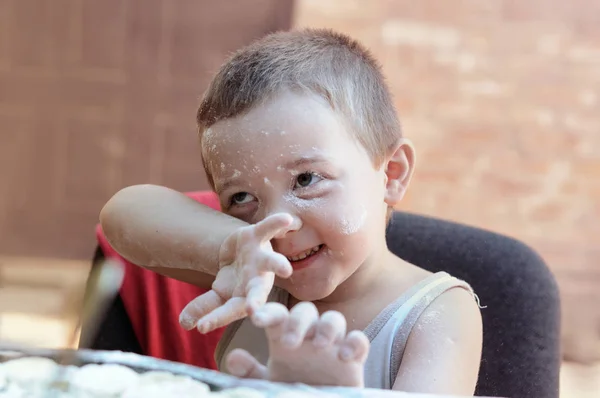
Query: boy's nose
[[294, 226]]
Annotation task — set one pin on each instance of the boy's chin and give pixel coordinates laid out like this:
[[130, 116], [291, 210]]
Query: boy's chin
[[308, 293]]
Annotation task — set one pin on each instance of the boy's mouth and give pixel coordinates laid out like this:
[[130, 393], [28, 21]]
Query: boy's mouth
[[305, 254]]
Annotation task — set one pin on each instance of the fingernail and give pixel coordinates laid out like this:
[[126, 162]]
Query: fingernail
[[252, 307], [203, 327], [289, 340], [345, 353], [320, 341], [260, 312], [186, 321], [259, 318]]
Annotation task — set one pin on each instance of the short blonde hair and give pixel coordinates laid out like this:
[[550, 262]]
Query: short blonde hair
[[318, 61]]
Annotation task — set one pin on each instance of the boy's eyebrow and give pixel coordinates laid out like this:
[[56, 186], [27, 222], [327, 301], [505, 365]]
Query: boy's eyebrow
[[306, 159], [226, 184]]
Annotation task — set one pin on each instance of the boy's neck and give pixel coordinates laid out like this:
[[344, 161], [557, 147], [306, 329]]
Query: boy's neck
[[371, 289]]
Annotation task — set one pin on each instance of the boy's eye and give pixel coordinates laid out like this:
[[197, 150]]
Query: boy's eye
[[241, 198], [306, 179]]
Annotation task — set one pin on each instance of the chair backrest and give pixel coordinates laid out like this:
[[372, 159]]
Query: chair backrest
[[521, 340]]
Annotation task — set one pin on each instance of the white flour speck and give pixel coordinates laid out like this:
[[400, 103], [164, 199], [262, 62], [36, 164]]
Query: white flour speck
[[351, 225]]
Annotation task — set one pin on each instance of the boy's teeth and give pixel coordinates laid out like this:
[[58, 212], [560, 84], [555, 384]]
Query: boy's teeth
[[307, 253]]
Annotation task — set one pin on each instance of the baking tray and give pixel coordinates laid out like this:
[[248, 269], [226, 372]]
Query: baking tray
[[217, 381]]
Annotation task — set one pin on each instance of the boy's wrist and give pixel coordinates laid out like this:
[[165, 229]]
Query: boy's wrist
[[227, 251]]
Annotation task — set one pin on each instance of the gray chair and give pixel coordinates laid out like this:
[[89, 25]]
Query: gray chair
[[521, 339]]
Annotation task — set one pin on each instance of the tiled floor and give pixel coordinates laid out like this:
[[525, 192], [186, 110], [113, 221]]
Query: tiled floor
[[35, 310]]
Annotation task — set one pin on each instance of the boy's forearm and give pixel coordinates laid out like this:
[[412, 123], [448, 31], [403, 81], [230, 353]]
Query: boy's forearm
[[162, 229]]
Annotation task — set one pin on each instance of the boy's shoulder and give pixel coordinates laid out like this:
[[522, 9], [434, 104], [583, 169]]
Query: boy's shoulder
[[437, 301], [448, 333], [452, 310]]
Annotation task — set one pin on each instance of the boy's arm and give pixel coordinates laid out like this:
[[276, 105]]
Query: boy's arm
[[169, 233], [443, 352], [166, 231]]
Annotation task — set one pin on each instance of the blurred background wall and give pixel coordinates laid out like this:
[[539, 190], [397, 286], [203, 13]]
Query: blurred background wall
[[96, 95], [501, 97]]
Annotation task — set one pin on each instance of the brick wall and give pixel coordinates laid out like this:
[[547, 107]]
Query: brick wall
[[502, 99], [99, 95]]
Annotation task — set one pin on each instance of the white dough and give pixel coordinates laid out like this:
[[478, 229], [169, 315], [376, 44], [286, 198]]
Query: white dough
[[103, 380], [35, 377], [3, 378], [241, 392], [30, 370], [164, 384]]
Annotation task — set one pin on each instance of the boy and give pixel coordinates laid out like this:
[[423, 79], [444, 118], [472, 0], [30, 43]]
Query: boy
[[301, 141]]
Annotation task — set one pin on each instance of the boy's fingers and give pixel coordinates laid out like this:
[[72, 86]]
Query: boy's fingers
[[276, 263], [231, 311], [241, 364], [198, 308], [303, 318], [272, 317], [355, 347], [258, 290], [273, 226], [330, 328]]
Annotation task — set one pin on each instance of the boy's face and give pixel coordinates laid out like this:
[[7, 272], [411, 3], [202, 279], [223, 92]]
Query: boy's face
[[293, 154]]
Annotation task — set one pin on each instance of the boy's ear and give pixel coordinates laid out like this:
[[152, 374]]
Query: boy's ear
[[399, 169]]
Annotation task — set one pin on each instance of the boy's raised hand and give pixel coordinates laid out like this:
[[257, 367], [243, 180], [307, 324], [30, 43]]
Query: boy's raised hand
[[247, 269]]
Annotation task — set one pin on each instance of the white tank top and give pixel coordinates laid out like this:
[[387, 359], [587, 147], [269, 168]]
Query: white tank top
[[388, 332]]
